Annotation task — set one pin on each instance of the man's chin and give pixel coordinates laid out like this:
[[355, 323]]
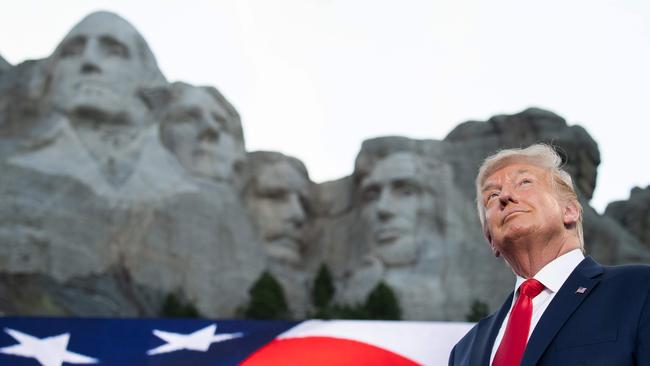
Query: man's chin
[[401, 251], [281, 251], [515, 234]]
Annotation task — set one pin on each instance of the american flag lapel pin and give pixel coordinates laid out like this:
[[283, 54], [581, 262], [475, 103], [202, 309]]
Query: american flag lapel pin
[[581, 290]]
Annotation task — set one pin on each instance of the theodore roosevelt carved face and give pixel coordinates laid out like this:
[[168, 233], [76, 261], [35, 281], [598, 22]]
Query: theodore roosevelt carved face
[[277, 198]]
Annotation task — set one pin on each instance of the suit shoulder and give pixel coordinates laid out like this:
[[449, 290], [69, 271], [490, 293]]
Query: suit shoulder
[[628, 271], [629, 276]]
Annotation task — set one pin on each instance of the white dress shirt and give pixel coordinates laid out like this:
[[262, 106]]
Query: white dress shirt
[[552, 276]]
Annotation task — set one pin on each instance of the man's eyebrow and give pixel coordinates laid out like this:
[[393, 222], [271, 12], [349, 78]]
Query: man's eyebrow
[[489, 186]]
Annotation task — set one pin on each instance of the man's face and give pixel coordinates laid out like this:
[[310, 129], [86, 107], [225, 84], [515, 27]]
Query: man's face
[[194, 130], [392, 199], [278, 203], [96, 68], [519, 201]]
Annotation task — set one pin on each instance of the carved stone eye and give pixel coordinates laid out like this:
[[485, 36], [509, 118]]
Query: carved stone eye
[[73, 47], [370, 193], [209, 135], [112, 47]]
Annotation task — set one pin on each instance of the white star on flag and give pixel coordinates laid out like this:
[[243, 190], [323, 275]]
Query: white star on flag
[[49, 351], [197, 341]]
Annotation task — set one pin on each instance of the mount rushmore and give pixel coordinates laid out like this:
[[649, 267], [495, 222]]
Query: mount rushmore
[[119, 187]]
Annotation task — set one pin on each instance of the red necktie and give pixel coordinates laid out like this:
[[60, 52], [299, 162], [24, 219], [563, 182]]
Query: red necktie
[[514, 341]]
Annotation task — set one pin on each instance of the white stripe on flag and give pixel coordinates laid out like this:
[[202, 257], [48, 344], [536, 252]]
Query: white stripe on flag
[[427, 343]]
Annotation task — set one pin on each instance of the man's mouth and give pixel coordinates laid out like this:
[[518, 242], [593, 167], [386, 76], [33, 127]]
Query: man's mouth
[[387, 235], [510, 214], [287, 241], [202, 153]]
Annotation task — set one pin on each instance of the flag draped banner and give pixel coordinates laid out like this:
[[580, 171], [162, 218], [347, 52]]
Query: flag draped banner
[[31, 341]]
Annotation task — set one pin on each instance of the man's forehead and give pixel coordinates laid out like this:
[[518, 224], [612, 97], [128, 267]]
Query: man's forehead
[[104, 25], [281, 175], [397, 166], [199, 98], [510, 171]]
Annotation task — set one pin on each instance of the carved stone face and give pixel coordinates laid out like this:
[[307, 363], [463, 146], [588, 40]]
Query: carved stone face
[[392, 199], [96, 70], [194, 130], [278, 207]]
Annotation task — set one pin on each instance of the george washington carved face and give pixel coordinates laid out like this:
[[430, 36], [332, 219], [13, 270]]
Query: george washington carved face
[[98, 68]]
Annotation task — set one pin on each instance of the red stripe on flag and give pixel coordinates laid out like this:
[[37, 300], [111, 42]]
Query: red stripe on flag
[[324, 351]]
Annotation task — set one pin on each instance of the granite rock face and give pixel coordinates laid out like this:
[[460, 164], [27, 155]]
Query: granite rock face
[[578, 150], [90, 184], [120, 188], [4, 65], [633, 214]]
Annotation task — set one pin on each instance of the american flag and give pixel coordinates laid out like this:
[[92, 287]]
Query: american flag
[[34, 341]]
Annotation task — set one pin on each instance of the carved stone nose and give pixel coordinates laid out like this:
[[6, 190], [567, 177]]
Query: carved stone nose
[[89, 68]]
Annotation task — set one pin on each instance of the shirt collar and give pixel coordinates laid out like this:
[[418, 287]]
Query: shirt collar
[[554, 273]]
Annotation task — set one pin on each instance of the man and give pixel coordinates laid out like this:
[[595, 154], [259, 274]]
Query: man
[[203, 131], [566, 309], [277, 196]]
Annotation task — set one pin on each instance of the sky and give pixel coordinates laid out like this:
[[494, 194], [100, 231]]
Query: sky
[[314, 78]]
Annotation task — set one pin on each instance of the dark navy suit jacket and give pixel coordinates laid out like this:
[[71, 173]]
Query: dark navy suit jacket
[[608, 324]]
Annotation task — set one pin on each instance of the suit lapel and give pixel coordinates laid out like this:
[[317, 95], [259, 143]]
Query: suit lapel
[[561, 307], [488, 331]]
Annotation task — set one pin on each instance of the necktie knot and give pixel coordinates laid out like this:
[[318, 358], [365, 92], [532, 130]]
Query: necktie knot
[[531, 288]]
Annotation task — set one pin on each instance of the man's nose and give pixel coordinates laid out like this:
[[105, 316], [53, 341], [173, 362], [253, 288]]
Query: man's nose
[[91, 58], [296, 214], [506, 196], [385, 205], [208, 134]]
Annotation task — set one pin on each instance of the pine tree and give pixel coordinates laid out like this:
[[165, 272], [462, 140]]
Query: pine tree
[[267, 300], [323, 290], [383, 304], [174, 307]]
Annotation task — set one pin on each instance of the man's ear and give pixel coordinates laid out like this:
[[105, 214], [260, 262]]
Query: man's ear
[[571, 213]]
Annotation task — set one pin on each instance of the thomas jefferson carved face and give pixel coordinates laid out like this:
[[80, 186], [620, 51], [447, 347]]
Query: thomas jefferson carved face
[[278, 205], [195, 130], [392, 200], [97, 69]]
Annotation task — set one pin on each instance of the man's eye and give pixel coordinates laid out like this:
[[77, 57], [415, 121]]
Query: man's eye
[[525, 181], [113, 47], [184, 115], [407, 190], [370, 194], [273, 194], [491, 196], [73, 47]]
